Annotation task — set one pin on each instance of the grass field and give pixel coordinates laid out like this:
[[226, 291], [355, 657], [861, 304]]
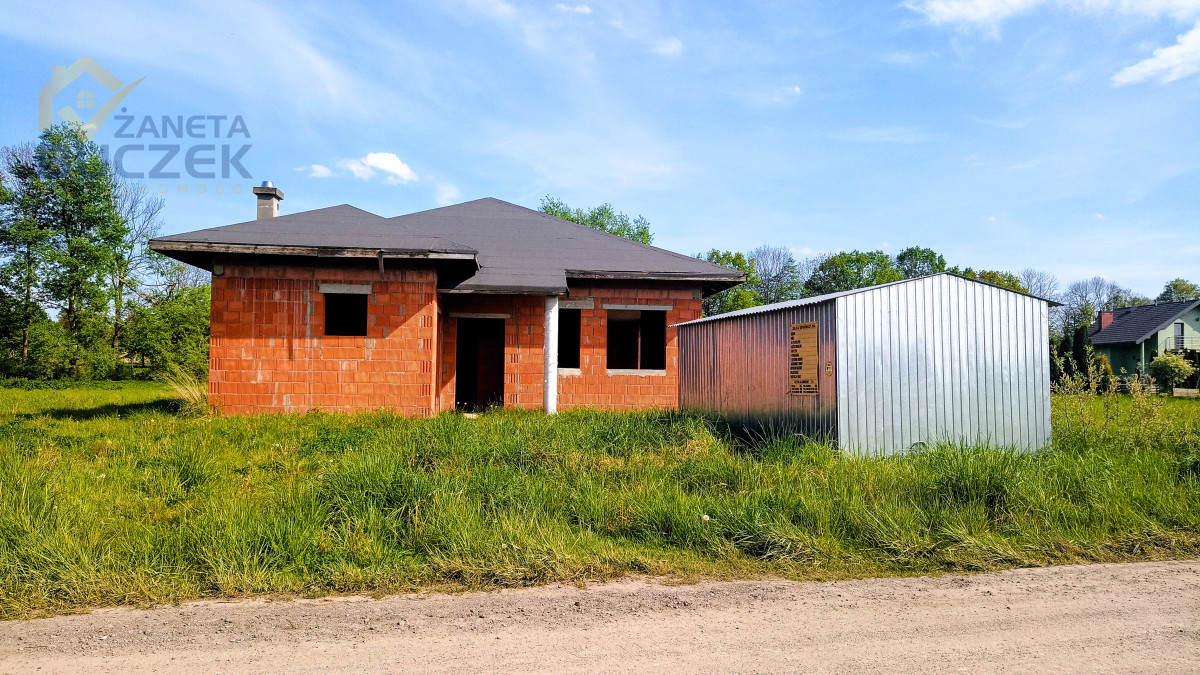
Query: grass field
[[108, 496]]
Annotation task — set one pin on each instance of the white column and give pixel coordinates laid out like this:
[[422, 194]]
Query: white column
[[550, 349]]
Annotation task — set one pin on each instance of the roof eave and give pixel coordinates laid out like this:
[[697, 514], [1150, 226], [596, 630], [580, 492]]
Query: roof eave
[[710, 283], [167, 247]]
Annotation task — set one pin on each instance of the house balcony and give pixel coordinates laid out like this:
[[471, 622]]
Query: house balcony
[[1179, 344]]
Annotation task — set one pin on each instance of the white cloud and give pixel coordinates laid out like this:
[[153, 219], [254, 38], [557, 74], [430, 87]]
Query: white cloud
[[211, 52], [900, 58], [446, 194], [577, 9], [319, 171], [884, 135], [389, 163], [396, 171], [670, 47], [994, 11], [356, 167], [1168, 63], [1099, 216]]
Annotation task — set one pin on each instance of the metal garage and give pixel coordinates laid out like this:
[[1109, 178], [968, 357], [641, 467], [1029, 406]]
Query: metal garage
[[880, 369]]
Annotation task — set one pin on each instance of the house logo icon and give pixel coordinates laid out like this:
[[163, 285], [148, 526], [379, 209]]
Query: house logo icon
[[61, 77]]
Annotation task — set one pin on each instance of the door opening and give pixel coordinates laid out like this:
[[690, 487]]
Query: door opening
[[479, 364]]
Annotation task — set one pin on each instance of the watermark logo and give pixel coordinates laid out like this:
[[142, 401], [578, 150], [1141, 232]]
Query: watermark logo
[[215, 147], [62, 77]]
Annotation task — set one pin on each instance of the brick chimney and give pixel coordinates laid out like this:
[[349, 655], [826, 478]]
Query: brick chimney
[[269, 197], [1106, 318]]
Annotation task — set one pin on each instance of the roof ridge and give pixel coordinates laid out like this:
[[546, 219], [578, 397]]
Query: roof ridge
[[590, 230], [614, 236]]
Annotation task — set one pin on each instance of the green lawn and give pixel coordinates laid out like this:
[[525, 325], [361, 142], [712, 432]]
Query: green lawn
[[108, 496]]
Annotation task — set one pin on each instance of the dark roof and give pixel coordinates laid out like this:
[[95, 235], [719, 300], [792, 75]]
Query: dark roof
[[529, 251], [815, 299], [517, 250], [337, 231], [1133, 325]]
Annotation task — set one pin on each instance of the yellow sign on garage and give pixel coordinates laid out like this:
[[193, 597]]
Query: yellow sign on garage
[[804, 365]]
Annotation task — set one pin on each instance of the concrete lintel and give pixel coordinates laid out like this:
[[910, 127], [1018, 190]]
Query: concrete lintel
[[479, 315], [577, 304], [362, 289], [643, 308]]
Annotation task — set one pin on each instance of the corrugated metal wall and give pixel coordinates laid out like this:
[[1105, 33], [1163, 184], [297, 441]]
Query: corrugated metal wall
[[738, 368], [942, 358]]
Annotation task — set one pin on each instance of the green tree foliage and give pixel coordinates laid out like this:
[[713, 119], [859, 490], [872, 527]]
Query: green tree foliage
[[847, 271], [1081, 349], [1060, 350], [738, 297], [994, 277], [603, 218], [778, 274], [171, 331], [24, 244], [1169, 370], [76, 196], [1176, 290], [1105, 378], [74, 264], [915, 261]]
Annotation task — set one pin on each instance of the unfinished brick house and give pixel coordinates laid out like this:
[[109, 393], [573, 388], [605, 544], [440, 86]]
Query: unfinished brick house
[[463, 307]]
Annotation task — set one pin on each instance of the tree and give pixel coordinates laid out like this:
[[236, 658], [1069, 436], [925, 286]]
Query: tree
[[847, 271], [915, 261], [738, 297], [1081, 347], [1105, 378], [994, 277], [778, 274], [1056, 360], [134, 264], [76, 210], [1176, 290], [24, 242], [603, 218], [171, 331], [1062, 353], [1169, 370], [1084, 298], [1038, 283]]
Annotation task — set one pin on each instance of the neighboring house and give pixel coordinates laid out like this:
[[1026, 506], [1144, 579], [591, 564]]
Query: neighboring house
[[467, 306], [1132, 336]]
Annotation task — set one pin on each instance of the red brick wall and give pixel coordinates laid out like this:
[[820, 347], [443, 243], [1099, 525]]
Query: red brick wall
[[592, 386], [268, 351], [523, 339]]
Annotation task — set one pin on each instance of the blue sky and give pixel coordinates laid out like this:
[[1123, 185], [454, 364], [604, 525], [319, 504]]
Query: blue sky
[[1063, 136]]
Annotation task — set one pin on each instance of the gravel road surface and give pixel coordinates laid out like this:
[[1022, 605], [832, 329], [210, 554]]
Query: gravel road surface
[[1126, 618]]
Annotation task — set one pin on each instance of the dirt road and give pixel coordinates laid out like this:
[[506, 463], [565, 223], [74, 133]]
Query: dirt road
[[1142, 617]]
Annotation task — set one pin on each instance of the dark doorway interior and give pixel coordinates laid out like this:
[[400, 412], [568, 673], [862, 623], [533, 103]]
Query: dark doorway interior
[[479, 364]]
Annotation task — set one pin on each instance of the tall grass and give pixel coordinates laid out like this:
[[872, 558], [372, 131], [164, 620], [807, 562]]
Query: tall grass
[[135, 503]]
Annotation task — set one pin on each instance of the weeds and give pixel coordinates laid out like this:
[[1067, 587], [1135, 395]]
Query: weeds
[[190, 391], [123, 500]]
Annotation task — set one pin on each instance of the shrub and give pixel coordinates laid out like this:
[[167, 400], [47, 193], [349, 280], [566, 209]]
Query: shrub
[[1169, 370]]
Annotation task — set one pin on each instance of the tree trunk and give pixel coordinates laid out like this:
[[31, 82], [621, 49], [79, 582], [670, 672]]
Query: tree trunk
[[117, 313]]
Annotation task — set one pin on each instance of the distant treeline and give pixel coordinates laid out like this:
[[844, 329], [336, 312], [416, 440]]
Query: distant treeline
[[82, 297]]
